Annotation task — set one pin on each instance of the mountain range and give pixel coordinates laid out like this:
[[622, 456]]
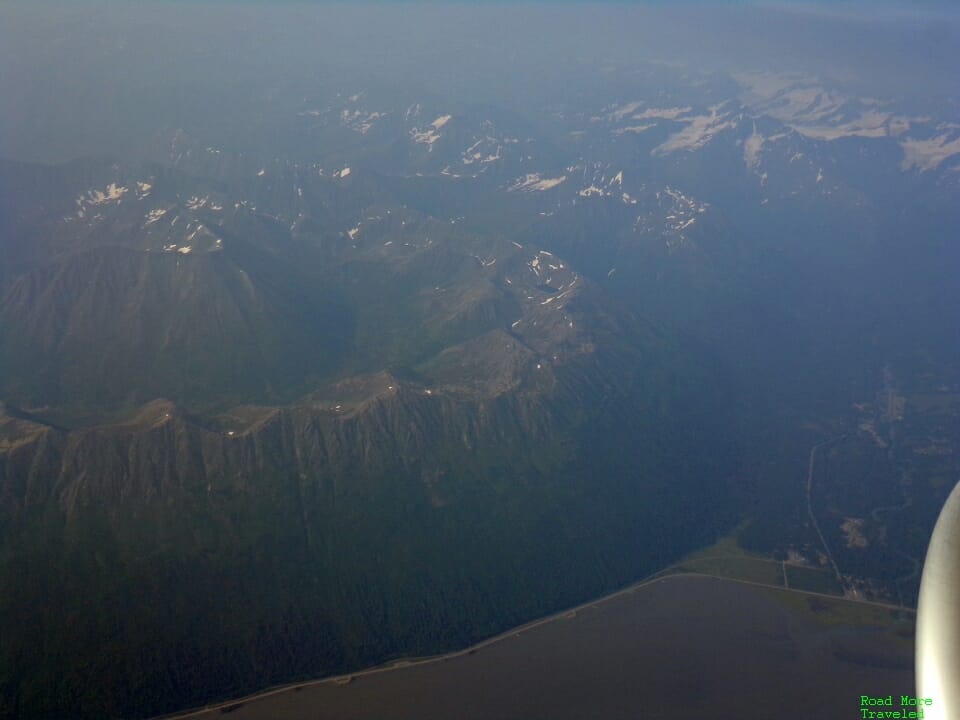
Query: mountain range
[[366, 371]]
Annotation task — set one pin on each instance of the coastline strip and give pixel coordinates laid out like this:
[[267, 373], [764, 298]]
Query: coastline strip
[[567, 613]]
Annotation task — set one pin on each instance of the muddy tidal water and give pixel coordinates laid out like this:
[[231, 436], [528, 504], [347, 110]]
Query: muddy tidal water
[[680, 647]]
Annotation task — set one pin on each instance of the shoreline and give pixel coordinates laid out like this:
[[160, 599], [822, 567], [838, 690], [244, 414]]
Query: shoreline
[[566, 613]]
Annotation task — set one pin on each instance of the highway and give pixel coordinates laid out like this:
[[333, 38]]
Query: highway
[[813, 519]]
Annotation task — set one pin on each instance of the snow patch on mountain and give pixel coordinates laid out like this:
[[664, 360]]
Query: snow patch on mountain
[[928, 154], [112, 193], [431, 134], [154, 215], [622, 111], [871, 124], [484, 150], [804, 105], [533, 182], [628, 111], [591, 191], [699, 131], [633, 129], [671, 215], [671, 113], [360, 121], [425, 137], [752, 147]]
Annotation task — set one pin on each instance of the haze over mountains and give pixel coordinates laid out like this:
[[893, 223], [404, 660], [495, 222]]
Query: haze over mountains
[[330, 334]]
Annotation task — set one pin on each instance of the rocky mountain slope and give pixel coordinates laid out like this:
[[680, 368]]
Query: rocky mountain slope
[[281, 434]]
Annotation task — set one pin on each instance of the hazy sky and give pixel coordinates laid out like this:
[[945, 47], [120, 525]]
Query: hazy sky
[[74, 65]]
